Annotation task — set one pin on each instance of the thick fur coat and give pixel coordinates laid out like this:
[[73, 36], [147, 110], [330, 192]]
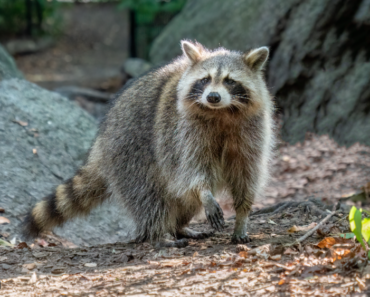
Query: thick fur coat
[[172, 139]]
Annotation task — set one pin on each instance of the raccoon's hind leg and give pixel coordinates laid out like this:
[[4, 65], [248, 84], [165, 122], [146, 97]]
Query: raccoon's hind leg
[[76, 197]]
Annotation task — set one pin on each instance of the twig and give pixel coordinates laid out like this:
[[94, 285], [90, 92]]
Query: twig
[[310, 232], [90, 94]]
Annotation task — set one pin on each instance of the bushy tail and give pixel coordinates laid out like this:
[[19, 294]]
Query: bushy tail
[[76, 197]]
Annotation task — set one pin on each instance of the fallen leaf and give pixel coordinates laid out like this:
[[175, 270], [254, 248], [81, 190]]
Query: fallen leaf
[[243, 254], [33, 278], [290, 251], [5, 243], [21, 123], [327, 242], [302, 228], [4, 220], [226, 263], [271, 222], [195, 254], [276, 257], [241, 248], [281, 282], [360, 283], [347, 235], [34, 151], [30, 266], [90, 264], [21, 245], [2, 210], [171, 263]]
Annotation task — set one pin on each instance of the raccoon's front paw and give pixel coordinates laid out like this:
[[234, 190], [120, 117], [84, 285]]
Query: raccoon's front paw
[[237, 239], [215, 215]]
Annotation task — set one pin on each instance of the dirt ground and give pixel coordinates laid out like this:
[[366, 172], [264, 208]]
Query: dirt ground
[[273, 264], [83, 54], [209, 267]]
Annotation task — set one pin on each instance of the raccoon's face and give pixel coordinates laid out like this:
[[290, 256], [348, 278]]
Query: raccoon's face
[[221, 80]]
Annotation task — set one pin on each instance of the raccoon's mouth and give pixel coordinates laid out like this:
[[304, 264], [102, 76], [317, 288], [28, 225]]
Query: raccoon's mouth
[[215, 105]]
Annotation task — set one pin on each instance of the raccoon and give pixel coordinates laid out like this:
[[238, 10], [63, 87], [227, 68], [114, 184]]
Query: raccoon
[[172, 138]]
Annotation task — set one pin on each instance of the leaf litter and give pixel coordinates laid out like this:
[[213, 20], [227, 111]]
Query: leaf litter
[[330, 262]]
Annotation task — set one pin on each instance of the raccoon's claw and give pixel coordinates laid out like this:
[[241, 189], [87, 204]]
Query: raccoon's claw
[[237, 239], [215, 215]]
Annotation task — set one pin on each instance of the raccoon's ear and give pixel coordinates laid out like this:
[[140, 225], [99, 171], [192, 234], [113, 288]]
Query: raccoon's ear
[[256, 58], [192, 51]]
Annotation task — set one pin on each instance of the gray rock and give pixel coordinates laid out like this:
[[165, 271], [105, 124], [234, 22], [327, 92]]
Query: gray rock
[[319, 69], [44, 137], [26, 46], [8, 68], [136, 66]]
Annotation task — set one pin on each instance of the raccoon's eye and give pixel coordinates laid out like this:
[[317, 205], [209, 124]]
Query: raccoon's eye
[[229, 81], [205, 80]]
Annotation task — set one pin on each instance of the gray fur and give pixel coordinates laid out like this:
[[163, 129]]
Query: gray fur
[[164, 155]]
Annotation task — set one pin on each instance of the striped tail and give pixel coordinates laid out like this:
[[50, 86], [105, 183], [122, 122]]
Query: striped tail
[[76, 197]]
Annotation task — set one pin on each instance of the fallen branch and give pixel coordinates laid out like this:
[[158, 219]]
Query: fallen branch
[[93, 95], [310, 232]]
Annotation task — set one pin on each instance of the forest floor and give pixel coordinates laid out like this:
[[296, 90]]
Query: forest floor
[[273, 264]]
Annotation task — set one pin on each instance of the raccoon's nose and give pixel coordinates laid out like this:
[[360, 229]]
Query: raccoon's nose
[[213, 97]]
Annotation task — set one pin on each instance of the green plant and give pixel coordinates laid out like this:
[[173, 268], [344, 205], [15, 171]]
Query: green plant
[[30, 17], [147, 10], [360, 227]]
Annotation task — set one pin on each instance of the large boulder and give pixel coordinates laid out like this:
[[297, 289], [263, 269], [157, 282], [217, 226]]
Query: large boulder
[[8, 68], [44, 137], [319, 68]]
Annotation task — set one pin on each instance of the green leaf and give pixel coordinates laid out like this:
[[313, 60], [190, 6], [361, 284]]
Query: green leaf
[[4, 243], [355, 224], [366, 229], [366, 211], [347, 235]]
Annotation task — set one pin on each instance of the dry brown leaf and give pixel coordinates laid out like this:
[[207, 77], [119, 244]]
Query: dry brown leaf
[[243, 254], [276, 257], [171, 263], [21, 245], [226, 263], [21, 123], [302, 228], [281, 282], [90, 264], [327, 242], [290, 251], [4, 220], [2, 210], [360, 283], [30, 266]]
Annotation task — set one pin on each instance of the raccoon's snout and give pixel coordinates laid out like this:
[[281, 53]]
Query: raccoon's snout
[[213, 97]]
